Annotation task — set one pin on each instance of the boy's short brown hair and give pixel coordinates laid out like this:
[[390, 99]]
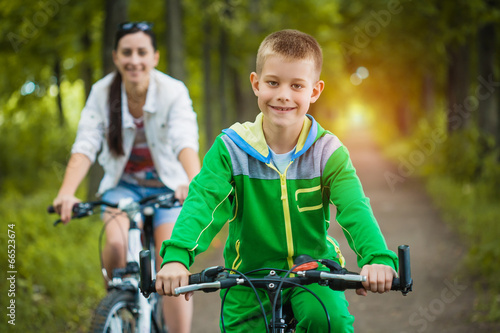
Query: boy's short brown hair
[[290, 44]]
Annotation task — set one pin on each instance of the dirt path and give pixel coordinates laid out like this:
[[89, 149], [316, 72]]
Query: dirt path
[[442, 300]]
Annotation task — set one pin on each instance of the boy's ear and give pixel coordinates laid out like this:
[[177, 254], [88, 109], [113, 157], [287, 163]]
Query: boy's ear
[[254, 80], [317, 89]]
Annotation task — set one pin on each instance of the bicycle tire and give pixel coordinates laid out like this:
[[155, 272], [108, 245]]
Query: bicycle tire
[[115, 314], [158, 324], [157, 316]]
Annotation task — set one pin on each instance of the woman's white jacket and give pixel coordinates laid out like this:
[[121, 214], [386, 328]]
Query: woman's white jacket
[[169, 122]]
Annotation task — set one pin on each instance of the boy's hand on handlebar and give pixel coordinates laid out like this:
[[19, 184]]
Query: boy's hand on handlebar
[[172, 275], [63, 205], [378, 279]]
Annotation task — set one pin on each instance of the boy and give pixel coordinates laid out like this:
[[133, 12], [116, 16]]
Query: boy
[[273, 181]]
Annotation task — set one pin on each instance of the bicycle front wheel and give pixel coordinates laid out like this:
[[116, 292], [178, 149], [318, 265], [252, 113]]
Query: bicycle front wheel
[[116, 313], [158, 322]]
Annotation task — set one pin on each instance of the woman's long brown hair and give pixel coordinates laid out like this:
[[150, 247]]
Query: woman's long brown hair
[[115, 138]]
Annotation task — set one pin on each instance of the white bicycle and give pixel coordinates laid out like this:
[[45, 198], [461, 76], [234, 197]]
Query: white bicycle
[[125, 308]]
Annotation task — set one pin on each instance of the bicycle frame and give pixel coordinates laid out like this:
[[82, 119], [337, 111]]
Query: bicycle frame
[[124, 285], [132, 209]]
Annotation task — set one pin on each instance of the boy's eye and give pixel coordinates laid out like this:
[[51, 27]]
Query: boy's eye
[[296, 86], [272, 83], [127, 52], [143, 52]]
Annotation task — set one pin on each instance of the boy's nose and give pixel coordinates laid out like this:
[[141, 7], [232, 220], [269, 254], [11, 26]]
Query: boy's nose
[[283, 94]]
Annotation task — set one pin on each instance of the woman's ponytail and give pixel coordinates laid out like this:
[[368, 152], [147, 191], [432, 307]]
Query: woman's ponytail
[[115, 139]]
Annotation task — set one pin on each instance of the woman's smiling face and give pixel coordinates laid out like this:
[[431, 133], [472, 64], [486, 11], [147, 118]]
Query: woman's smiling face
[[135, 57]]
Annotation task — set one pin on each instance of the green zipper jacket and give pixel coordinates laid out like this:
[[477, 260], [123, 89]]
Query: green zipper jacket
[[274, 217]]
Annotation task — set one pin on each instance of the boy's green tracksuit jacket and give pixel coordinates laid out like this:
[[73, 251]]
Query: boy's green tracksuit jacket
[[274, 217]]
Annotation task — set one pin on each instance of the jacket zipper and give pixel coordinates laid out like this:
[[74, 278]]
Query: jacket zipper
[[286, 211], [237, 260]]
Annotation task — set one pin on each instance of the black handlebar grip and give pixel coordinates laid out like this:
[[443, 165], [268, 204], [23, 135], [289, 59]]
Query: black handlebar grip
[[396, 284], [355, 285], [342, 285], [207, 275], [195, 278], [51, 209], [147, 286], [405, 280]]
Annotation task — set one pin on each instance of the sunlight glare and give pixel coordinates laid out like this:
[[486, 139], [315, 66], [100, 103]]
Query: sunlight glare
[[28, 88], [357, 115], [362, 72], [356, 79]]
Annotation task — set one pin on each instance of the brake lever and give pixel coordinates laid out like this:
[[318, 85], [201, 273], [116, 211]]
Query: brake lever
[[333, 266]]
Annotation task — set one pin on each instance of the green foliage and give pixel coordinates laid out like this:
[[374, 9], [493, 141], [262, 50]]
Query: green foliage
[[31, 143], [58, 280], [461, 154], [475, 215]]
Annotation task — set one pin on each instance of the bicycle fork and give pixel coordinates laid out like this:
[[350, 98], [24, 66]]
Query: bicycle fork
[[134, 248], [143, 304]]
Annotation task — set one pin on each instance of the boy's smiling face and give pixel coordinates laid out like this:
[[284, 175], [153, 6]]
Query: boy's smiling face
[[285, 89]]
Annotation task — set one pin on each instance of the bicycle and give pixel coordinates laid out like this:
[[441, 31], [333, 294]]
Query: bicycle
[[305, 269], [124, 308]]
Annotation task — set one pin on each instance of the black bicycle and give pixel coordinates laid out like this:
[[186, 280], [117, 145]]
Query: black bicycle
[[305, 273], [124, 308]]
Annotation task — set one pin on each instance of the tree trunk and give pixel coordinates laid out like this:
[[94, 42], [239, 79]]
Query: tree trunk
[[428, 98], [249, 109], [223, 63], [488, 121], [86, 68], [175, 40], [116, 12], [57, 74], [207, 80], [238, 93], [403, 115], [460, 105]]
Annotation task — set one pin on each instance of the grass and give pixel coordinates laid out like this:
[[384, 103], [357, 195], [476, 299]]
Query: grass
[[476, 218], [58, 280]]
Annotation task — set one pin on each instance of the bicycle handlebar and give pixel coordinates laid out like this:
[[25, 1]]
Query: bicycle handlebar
[[217, 277], [84, 209]]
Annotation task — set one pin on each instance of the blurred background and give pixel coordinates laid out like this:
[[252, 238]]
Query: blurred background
[[422, 77]]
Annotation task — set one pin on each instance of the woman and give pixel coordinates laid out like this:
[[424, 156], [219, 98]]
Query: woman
[[144, 122]]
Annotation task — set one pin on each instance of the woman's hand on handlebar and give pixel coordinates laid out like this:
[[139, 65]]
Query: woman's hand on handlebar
[[63, 205], [378, 279], [171, 276], [181, 193]]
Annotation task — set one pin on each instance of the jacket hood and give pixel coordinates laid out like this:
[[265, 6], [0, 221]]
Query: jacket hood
[[250, 137]]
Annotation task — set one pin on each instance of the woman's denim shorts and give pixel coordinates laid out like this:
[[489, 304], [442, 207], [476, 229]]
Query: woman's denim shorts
[[127, 190]]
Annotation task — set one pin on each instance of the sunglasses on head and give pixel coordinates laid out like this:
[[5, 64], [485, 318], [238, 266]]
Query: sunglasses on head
[[143, 26]]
